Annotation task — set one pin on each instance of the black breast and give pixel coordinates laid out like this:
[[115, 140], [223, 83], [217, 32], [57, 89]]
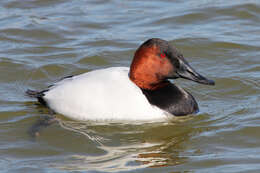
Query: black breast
[[172, 99]]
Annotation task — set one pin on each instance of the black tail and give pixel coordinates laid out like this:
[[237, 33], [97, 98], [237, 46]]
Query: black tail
[[37, 94], [34, 94]]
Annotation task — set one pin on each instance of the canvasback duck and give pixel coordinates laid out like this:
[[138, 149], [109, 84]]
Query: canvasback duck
[[142, 92]]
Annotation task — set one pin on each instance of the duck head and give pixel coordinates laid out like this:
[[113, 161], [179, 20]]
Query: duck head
[[156, 61]]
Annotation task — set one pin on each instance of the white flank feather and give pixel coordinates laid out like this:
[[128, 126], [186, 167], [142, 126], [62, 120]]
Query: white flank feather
[[106, 94]]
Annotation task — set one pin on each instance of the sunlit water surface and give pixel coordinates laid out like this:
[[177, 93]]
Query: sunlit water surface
[[43, 40]]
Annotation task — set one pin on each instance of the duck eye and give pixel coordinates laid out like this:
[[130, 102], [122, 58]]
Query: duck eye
[[162, 55]]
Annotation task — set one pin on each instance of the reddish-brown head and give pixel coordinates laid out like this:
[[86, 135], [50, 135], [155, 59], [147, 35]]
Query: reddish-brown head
[[155, 61]]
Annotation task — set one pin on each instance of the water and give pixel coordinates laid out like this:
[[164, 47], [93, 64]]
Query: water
[[42, 41]]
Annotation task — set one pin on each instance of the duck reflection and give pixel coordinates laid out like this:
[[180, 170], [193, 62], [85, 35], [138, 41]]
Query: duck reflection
[[129, 146]]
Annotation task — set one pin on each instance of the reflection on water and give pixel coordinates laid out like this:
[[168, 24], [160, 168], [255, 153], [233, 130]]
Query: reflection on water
[[129, 146]]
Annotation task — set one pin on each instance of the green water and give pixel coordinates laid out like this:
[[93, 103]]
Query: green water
[[42, 41]]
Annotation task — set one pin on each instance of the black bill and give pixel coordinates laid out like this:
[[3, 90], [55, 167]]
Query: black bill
[[187, 72]]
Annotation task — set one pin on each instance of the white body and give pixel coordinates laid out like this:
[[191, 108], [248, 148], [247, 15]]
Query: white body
[[106, 94]]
